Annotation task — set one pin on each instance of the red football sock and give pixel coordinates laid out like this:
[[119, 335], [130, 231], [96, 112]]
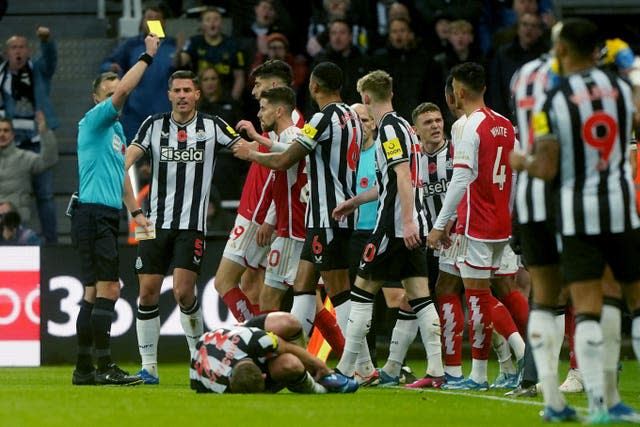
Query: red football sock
[[502, 320], [328, 327], [480, 322], [569, 330], [452, 319], [239, 304], [519, 308]]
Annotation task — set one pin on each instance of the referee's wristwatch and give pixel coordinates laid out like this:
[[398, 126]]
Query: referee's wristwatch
[[136, 213]]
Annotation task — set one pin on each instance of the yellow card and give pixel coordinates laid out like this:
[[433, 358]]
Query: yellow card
[[155, 27]]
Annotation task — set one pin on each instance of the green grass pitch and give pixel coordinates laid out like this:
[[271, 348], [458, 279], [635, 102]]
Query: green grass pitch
[[45, 397]]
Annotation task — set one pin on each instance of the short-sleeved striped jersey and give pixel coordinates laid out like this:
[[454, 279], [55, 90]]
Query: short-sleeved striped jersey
[[333, 136], [435, 173], [182, 162], [590, 115], [218, 352], [528, 86], [487, 140], [396, 143]]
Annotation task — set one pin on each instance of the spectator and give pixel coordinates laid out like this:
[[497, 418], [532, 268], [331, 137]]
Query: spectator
[[413, 75], [342, 52], [430, 10], [441, 23], [213, 100], [278, 48], [528, 44], [509, 31], [214, 48], [24, 89], [252, 36], [144, 100], [13, 232], [460, 48], [18, 166], [321, 18]]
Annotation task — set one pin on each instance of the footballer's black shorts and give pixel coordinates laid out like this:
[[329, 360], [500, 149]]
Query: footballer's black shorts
[[327, 248], [180, 248], [584, 257], [538, 244], [388, 259]]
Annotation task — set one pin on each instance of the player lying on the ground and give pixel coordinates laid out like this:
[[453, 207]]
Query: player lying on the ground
[[260, 356]]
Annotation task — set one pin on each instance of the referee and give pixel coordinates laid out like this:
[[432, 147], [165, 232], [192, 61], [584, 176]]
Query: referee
[[95, 221]]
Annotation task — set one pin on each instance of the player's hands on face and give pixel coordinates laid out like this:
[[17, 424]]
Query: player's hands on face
[[263, 235], [411, 236], [247, 127], [151, 43], [343, 210]]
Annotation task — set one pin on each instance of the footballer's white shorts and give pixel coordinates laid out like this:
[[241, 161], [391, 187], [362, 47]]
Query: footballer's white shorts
[[509, 264], [282, 262], [447, 257], [478, 260], [241, 246]]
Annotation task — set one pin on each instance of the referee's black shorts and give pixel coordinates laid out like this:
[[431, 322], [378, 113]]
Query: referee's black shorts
[[94, 232]]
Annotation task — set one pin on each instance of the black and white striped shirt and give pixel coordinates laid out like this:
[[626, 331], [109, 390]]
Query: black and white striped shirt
[[218, 352], [435, 173], [590, 115], [528, 86], [396, 143], [333, 137], [182, 162]]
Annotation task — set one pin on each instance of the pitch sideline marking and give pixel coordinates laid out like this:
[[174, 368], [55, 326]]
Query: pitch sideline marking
[[481, 396]]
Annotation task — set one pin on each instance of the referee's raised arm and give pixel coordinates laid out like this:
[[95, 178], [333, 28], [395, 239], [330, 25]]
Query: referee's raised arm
[[131, 79]]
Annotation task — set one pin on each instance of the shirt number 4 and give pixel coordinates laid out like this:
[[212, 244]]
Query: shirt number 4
[[499, 170]]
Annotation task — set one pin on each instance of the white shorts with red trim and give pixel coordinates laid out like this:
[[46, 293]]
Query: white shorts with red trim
[[282, 262], [242, 248], [476, 259]]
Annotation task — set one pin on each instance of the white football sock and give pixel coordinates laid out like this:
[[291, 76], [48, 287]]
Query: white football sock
[[431, 334], [589, 354], [501, 347], [193, 327], [148, 332], [359, 324], [404, 332], [542, 336], [611, 323], [304, 309], [635, 336]]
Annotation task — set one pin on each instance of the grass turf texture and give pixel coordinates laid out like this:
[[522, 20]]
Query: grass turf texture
[[45, 397]]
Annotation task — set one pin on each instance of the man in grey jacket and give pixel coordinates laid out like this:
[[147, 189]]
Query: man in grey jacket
[[17, 166]]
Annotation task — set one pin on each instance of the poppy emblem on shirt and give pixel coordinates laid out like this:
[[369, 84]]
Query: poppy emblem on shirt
[[364, 182], [182, 136], [123, 149], [433, 168]]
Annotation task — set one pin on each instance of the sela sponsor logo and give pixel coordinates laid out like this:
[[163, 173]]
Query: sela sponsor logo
[[434, 188], [170, 154]]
